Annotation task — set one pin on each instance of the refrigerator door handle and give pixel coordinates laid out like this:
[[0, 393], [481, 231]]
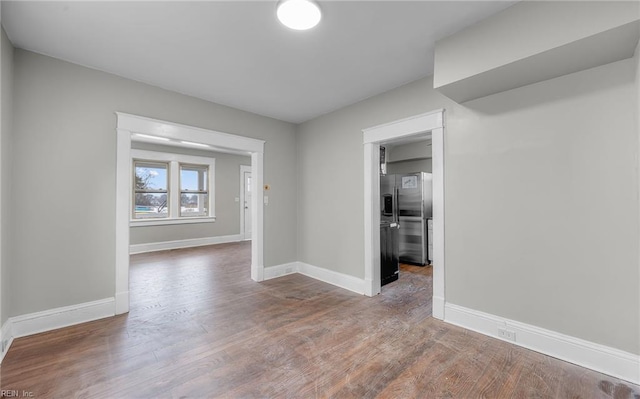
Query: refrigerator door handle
[[396, 206]]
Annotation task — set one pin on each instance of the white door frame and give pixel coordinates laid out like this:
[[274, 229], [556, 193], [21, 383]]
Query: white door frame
[[130, 125], [417, 125], [243, 169]]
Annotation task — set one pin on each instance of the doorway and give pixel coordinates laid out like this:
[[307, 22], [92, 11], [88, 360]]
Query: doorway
[[131, 127], [245, 202], [419, 126]]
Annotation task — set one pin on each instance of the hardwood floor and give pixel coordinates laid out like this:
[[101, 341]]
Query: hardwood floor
[[200, 328], [424, 270]]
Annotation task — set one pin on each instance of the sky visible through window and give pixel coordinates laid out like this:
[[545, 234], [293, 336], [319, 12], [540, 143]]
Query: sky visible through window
[[158, 178], [189, 179]]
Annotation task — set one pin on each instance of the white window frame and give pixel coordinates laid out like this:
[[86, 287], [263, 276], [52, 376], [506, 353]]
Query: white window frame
[[167, 190], [174, 161], [205, 182]]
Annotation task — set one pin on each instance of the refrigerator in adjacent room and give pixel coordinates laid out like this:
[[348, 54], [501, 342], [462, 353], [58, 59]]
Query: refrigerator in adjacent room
[[389, 230], [415, 204]]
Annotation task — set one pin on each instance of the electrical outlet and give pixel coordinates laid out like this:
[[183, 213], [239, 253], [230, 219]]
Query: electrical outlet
[[506, 334]]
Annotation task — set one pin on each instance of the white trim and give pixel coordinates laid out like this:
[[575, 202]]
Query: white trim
[[161, 156], [437, 142], [432, 122], [122, 302], [372, 219], [178, 132], [123, 212], [438, 306], [168, 221], [404, 127], [281, 270], [6, 338], [243, 169], [601, 358], [257, 217], [52, 319], [127, 125], [341, 280], [192, 242], [34, 323]]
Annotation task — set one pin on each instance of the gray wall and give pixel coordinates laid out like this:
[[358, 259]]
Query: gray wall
[[541, 206], [514, 34], [411, 157], [410, 166], [330, 161], [411, 150], [65, 145], [6, 114], [227, 188]]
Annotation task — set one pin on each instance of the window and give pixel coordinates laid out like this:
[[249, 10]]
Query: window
[[171, 188], [151, 190], [194, 194]]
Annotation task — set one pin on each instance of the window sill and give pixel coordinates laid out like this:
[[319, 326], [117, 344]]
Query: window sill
[[163, 222]]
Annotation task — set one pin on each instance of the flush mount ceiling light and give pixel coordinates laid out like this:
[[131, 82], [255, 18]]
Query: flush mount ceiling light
[[299, 14]]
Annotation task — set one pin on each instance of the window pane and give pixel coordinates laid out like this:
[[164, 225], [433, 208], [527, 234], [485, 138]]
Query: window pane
[[149, 206], [151, 176], [194, 204], [193, 178]]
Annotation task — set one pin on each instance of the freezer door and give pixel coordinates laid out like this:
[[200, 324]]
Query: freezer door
[[388, 199], [413, 240], [389, 263]]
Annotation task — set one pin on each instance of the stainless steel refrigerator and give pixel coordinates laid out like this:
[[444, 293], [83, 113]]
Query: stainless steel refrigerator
[[389, 229], [415, 203]]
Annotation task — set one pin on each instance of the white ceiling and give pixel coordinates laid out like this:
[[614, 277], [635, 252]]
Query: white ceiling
[[236, 53]]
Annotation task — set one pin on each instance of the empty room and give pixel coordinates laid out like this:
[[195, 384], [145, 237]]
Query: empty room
[[320, 199]]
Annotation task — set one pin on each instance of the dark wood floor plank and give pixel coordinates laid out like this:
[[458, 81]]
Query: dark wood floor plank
[[200, 328]]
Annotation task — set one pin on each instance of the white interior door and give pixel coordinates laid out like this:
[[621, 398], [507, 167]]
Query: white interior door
[[247, 205]]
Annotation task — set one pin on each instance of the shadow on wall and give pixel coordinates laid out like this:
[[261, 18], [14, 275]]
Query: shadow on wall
[[555, 90]]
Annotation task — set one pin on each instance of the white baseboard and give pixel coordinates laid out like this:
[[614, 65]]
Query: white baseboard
[[34, 323], [6, 338], [328, 276], [332, 277], [121, 302], [601, 358], [438, 308], [280, 270], [52, 319], [193, 242]]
